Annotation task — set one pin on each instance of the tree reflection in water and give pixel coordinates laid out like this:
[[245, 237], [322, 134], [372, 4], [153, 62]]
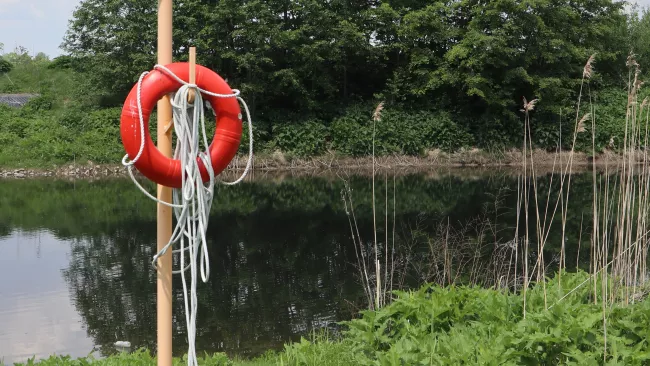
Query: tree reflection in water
[[281, 254]]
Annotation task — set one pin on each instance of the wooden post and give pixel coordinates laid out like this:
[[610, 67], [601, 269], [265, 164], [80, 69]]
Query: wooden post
[[164, 227], [192, 80]]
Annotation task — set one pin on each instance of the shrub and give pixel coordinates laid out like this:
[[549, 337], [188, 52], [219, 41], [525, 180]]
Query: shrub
[[302, 139], [5, 66], [40, 103], [397, 132]]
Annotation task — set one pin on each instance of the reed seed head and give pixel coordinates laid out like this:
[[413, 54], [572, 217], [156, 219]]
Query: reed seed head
[[638, 82], [588, 69], [631, 61], [376, 115], [528, 106], [581, 123]]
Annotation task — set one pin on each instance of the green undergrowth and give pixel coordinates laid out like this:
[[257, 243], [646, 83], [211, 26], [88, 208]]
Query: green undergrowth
[[71, 121], [43, 134], [468, 325]]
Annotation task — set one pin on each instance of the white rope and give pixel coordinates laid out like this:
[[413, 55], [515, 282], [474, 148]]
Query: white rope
[[192, 202]]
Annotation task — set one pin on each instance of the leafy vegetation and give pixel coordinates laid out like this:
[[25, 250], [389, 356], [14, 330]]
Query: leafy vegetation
[[452, 73], [456, 325]]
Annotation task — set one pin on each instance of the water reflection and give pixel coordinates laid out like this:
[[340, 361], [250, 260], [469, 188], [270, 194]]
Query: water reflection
[[36, 314], [281, 257]]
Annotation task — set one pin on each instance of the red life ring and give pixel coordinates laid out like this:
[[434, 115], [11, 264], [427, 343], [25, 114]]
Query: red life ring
[[152, 163]]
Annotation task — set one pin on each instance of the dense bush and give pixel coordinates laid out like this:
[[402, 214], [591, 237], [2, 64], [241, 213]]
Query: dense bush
[[397, 132], [77, 129], [5, 66], [302, 139], [453, 74], [33, 137], [318, 57]]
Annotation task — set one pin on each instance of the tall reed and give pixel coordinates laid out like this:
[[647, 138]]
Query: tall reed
[[377, 285], [620, 201]]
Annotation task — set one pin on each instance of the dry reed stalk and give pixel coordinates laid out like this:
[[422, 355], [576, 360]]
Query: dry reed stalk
[[376, 118], [579, 242], [525, 199], [386, 232], [518, 213], [377, 281], [357, 241], [392, 261]]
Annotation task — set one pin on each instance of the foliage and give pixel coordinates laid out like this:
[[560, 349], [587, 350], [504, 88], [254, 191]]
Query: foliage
[[472, 61], [305, 139], [5, 66], [397, 132], [448, 325], [456, 325], [452, 73], [33, 136], [639, 24]]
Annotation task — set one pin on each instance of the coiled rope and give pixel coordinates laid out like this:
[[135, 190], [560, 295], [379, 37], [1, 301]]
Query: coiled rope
[[192, 202]]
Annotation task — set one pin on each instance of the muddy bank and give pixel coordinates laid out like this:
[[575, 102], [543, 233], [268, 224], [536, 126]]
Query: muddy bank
[[71, 170], [279, 164]]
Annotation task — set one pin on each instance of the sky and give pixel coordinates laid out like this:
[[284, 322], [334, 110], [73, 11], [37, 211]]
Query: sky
[[39, 25]]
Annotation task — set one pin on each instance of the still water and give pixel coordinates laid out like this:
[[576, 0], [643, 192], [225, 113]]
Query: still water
[[75, 256]]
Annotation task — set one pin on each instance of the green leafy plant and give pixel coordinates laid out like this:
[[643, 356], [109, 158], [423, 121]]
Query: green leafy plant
[[302, 139]]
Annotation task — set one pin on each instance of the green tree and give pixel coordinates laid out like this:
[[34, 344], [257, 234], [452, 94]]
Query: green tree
[[639, 33], [281, 53], [115, 39], [20, 56], [298, 61], [486, 56]]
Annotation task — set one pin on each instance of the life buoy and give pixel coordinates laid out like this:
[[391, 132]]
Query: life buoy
[[152, 163]]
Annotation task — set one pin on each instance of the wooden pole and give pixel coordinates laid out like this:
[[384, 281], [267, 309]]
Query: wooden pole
[[164, 227], [192, 80]]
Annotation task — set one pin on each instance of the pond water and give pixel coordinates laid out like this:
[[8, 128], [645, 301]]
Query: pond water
[[75, 256]]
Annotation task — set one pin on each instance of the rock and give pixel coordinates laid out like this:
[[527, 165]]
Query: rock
[[19, 175], [123, 344]]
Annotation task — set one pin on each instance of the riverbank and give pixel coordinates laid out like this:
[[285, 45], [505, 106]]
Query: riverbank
[[453, 325], [544, 162]]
